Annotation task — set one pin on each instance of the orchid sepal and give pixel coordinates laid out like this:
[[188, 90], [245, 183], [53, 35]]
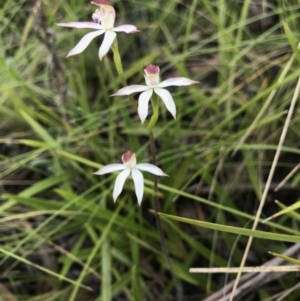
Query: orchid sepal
[[127, 28], [130, 89], [84, 42], [177, 81], [110, 168], [87, 25], [152, 169]]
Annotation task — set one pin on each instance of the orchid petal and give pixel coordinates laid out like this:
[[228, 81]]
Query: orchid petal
[[138, 180], [84, 42], [128, 28], [110, 168], [120, 180], [91, 25], [177, 81], [109, 38], [130, 89], [151, 168], [143, 104], [167, 99]]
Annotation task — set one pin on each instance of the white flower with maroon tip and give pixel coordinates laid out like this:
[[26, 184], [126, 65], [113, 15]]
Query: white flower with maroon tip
[[104, 20], [153, 84], [128, 167]]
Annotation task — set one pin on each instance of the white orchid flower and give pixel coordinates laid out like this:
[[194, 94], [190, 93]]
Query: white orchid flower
[[153, 84], [128, 167], [104, 20]]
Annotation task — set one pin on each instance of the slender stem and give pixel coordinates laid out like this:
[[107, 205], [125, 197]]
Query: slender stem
[[158, 220], [119, 67], [155, 106]]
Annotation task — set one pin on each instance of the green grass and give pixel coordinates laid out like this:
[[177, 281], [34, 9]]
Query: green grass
[[62, 237]]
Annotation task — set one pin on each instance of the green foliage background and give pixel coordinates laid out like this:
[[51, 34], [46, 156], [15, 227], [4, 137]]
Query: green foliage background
[[62, 238]]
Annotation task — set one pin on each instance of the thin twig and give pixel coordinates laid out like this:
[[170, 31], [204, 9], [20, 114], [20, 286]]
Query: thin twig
[[270, 177], [250, 281], [260, 269], [281, 184]]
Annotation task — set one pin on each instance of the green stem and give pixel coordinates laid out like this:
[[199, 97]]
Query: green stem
[[155, 104], [119, 67], [158, 221]]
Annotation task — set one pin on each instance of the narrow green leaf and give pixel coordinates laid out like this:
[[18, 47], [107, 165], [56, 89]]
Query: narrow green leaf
[[286, 258], [106, 271], [286, 210], [35, 189], [137, 292], [58, 276], [52, 143], [234, 230], [78, 158], [92, 255], [292, 40]]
